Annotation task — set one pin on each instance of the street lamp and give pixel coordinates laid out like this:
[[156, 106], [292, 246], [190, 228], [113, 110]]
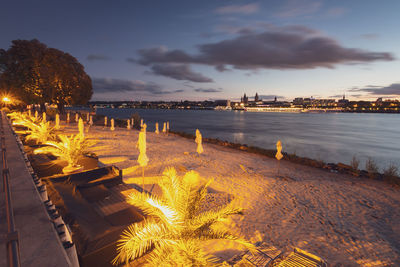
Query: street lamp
[[6, 100]]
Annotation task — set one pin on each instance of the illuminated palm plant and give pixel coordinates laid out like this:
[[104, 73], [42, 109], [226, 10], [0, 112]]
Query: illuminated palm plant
[[67, 148], [176, 224], [22, 119], [41, 132]]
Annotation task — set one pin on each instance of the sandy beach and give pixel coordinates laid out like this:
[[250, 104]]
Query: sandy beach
[[347, 221]]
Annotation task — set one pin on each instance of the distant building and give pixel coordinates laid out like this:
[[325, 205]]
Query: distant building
[[256, 98], [244, 99], [298, 101], [343, 102]]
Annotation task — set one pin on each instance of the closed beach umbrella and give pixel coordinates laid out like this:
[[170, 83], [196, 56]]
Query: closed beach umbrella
[[44, 117], [157, 131], [81, 127], [198, 141], [142, 159], [128, 124], [76, 117], [112, 125], [164, 128], [105, 121], [68, 117], [57, 121], [279, 155]]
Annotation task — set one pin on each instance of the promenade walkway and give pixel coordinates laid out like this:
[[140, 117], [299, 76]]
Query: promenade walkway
[[39, 244]]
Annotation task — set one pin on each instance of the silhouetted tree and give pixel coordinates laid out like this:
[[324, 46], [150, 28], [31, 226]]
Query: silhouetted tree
[[37, 74]]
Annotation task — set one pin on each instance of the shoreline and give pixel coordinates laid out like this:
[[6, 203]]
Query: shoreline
[[293, 158], [336, 167]]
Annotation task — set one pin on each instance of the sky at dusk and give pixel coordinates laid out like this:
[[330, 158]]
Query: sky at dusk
[[199, 50]]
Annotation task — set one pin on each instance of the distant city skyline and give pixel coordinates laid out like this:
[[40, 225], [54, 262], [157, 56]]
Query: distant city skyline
[[192, 50]]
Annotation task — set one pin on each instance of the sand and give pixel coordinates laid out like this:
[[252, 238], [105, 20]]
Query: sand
[[345, 220]]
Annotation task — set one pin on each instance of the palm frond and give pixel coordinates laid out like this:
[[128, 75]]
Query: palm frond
[[139, 238], [225, 235], [183, 253], [205, 219], [196, 200], [154, 206]]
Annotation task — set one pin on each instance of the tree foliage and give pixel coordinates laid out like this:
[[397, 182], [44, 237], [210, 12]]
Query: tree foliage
[[37, 74]]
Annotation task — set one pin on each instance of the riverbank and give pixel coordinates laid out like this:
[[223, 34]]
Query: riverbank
[[344, 219]]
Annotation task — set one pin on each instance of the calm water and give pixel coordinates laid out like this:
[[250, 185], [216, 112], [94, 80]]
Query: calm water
[[331, 137]]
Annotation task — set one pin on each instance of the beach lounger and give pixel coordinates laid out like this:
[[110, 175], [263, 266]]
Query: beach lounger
[[300, 258], [263, 257]]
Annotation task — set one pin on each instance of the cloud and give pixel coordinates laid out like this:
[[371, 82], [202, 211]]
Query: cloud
[[209, 90], [391, 90], [296, 8], [370, 36], [336, 12], [238, 9], [294, 47], [131, 60], [179, 72], [107, 85], [94, 57]]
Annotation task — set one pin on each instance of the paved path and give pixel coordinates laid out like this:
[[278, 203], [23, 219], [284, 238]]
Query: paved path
[[38, 241]]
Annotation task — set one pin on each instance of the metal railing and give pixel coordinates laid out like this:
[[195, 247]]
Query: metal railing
[[12, 235]]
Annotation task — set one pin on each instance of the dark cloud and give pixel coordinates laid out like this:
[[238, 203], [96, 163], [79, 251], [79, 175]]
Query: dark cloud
[[106, 85], [94, 57], [393, 89], [131, 60], [208, 90], [179, 72], [296, 47], [238, 9]]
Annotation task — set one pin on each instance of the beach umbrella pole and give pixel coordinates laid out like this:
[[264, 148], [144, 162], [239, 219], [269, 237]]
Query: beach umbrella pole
[[279, 165], [143, 179]]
